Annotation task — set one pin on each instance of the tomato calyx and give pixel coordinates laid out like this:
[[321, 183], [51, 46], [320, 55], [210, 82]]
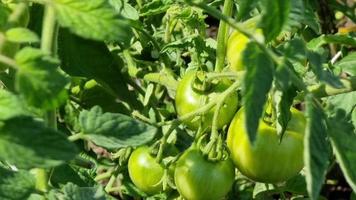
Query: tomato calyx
[[201, 84], [214, 150]]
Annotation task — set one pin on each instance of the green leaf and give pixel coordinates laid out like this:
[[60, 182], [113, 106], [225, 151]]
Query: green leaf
[[343, 136], [155, 7], [310, 17], [21, 35], [283, 99], [264, 191], [63, 174], [16, 185], [257, 83], [93, 19], [296, 16], [294, 49], [316, 149], [125, 9], [296, 185], [348, 63], [4, 14], [27, 143], [316, 63], [114, 130], [275, 15], [99, 64], [11, 105], [245, 7], [343, 101], [74, 192], [39, 80], [314, 44]]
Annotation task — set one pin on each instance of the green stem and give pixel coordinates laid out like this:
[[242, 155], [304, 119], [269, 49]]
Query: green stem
[[103, 176], [223, 33], [47, 45], [48, 30], [139, 3], [163, 142], [75, 137], [110, 184], [8, 61], [219, 75], [326, 90]]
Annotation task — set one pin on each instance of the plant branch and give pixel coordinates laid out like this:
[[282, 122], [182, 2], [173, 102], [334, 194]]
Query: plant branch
[[223, 33]]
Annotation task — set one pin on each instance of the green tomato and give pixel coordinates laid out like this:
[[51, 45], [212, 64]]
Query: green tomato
[[145, 172], [197, 178], [268, 160], [237, 43], [188, 99]]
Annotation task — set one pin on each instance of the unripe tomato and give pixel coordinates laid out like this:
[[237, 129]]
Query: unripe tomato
[[145, 172], [188, 99], [237, 43], [197, 178], [268, 160]]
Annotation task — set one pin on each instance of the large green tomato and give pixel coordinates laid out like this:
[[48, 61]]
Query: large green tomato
[[145, 172], [188, 99], [267, 160], [197, 178], [237, 43]]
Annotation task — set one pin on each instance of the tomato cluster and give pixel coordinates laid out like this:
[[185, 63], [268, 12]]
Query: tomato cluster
[[196, 176]]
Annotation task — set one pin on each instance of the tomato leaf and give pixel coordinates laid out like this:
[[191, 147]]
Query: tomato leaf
[[63, 174], [11, 105], [16, 185], [98, 64], [245, 7], [27, 143], [316, 63], [155, 7], [125, 9], [39, 80], [275, 15], [315, 43], [257, 83], [348, 63], [21, 35], [74, 192], [343, 136], [114, 130], [283, 98], [93, 19], [316, 148]]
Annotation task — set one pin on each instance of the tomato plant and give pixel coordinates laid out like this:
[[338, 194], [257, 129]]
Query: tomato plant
[[172, 100], [198, 178], [268, 160], [192, 94]]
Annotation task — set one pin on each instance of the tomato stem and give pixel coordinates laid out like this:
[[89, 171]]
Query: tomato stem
[[163, 142], [8, 61], [223, 33], [75, 137]]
